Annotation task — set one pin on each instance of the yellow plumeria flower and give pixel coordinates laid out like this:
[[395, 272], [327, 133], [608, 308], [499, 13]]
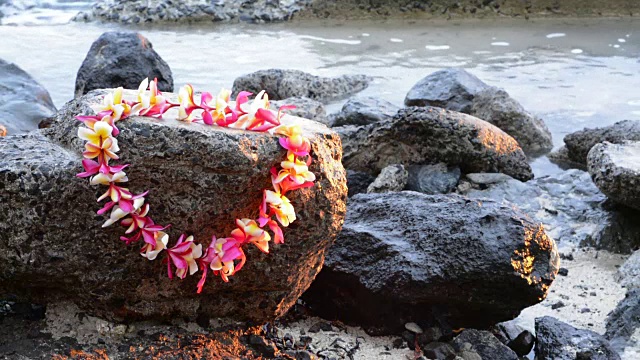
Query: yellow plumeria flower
[[149, 251]]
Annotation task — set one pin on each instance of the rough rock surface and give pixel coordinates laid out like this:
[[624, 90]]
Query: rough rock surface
[[202, 178], [124, 59], [427, 135], [439, 260], [305, 108], [495, 106], [433, 179], [364, 110], [560, 341], [615, 169], [187, 11], [452, 89], [623, 323], [484, 344], [629, 272], [579, 143], [281, 84], [572, 209], [392, 178], [23, 102]]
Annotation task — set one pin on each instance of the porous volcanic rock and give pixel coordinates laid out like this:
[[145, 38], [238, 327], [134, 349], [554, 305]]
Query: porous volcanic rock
[[305, 108], [284, 83], [578, 144], [122, 58], [429, 135], [440, 260], [615, 169], [452, 89], [23, 102], [364, 110], [202, 178]]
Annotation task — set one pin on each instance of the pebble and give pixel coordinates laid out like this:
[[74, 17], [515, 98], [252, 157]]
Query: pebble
[[557, 305], [413, 327], [563, 271]]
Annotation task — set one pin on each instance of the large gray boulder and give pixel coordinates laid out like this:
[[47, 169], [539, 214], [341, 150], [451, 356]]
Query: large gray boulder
[[440, 260], [428, 135], [202, 178], [615, 169], [495, 106], [561, 341], [281, 84], [452, 89], [119, 58], [433, 179], [23, 102], [305, 108], [578, 144], [364, 110]]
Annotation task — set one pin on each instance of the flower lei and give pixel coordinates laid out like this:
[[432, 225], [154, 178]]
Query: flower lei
[[224, 256]]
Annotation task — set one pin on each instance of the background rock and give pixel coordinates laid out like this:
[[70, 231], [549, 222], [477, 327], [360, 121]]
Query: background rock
[[305, 108], [629, 272], [560, 341], [392, 178], [51, 251], [433, 179], [281, 84], [426, 135], [495, 106], [615, 169], [23, 102], [452, 89], [444, 260], [580, 142], [122, 59], [364, 110], [358, 181], [623, 323]]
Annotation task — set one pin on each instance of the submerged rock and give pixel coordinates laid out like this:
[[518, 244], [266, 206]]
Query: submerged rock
[[281, 84], [392, 178], [452, 89], [124, 59], [572, 209], [495, 106], [201, 179], [364, 111], [427, 135], [559, 341], [578, 144], [23, 102], [433, 260], [615, 169]]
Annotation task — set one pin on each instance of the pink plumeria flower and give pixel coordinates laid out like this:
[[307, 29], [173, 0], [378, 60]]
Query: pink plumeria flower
[[295, 170], [118, 213], [280, 206], [221, 113], [100, 142], [181, 256], [151, 251], [249, 111], [151, 102], [114, 108], [294, 141], [248, 231], [190, 258], [219, 257]]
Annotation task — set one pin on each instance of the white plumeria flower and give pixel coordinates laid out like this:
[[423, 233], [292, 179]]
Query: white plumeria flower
[[150, 252], [196, 253], [106, 179], [117, 213]]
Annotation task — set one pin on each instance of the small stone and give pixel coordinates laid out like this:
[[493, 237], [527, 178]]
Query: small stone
[[391, 178], [585, 310], [398, 343], [557, 305], [563, 271], [523, 343], [320, 325], [262, 345], [413, 327], [568, 257]]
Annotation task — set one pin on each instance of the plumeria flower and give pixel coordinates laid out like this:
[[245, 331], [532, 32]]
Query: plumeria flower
[[294, 141], [221, 113], [253, 113], [182, 257], [99, 141], [116, 193], [248, 231], [151, 102], [113, 109], [295, 170], [118, 213], [92, 167], [219, 257], [280, 206], [187, 105], [284, 184], [147, 227], [151, 251]]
